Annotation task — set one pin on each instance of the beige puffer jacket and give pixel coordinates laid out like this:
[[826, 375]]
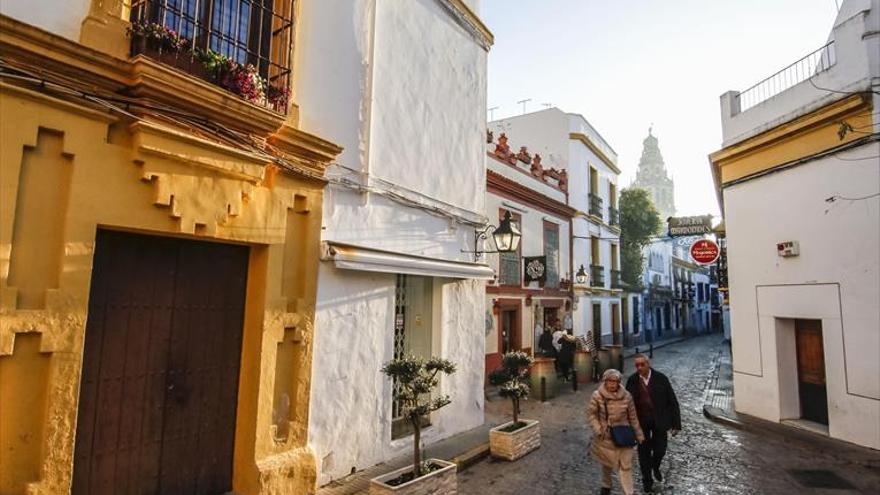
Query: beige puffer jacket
[[621, 411]]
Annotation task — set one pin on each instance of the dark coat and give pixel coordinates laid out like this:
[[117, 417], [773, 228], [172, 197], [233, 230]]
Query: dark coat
[[667, 414], [545, 344]]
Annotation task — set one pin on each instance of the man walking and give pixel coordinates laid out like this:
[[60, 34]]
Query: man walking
[[658, 412]]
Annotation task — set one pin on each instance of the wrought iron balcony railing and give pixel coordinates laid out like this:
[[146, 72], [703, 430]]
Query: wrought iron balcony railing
[[595, 205], [615, 279], [597, 276], [613, 216], [818, 61]]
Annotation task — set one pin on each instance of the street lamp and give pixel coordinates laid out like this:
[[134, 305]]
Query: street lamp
[[581, 276], [506, 237]]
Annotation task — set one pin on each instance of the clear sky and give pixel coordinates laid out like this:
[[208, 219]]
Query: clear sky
[[627, 64]]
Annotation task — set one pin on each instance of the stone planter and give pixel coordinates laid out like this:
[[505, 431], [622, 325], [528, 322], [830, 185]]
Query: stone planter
[[444, 481], [512, 445], [583, 364], [543, 367]]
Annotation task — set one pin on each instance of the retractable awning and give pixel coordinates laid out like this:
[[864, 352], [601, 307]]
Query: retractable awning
[[351, 257]]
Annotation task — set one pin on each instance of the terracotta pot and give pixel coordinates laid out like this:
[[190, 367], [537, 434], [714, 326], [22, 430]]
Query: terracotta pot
[[444, 481], [615, 352], [583, 364], [543, 367], [512, 445], [604, 360]]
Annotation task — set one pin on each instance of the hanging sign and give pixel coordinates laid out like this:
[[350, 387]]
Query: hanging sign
[[705, 252], [684, 226], [535, 268]]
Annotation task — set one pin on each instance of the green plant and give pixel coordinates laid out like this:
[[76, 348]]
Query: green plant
[[511, 379], [416, 378], [639, 222]]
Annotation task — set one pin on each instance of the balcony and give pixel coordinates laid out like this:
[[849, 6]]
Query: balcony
[[251, 61], [595, 205], [616, 280], [613, 216], [814, 63], [597, 276]]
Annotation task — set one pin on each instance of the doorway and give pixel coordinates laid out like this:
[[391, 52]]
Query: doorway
[[812, 388], [615, 324], [510, 330], [159, 387], [597, 324]]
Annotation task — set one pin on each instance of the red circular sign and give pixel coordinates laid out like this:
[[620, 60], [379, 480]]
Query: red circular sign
[[704, 251]]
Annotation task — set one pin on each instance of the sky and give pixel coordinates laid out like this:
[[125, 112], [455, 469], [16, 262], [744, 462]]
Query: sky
[[625, 65]]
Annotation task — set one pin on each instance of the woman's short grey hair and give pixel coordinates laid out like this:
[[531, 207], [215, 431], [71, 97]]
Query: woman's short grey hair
[[612, 374]]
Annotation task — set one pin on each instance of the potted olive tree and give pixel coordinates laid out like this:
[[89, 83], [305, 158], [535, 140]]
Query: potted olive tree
[[417, 378], [516, 438]]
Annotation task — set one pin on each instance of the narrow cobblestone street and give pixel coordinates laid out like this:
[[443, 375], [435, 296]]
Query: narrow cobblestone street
[[705, 458]]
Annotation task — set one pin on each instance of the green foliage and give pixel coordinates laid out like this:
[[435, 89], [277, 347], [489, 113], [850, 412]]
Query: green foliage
[[511, 378], [417, 377], [639, 222]]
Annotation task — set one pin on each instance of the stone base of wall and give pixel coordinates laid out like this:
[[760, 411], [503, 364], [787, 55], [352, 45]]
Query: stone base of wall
[[441, 482], [513, 445]]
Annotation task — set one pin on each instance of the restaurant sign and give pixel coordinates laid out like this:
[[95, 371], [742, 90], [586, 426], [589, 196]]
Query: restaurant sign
[[686, 226]]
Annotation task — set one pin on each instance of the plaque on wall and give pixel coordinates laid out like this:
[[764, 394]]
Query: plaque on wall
[[535, 268]]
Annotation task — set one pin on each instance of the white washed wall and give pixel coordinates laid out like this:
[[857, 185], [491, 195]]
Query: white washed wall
[[840, 253], [402, 87]]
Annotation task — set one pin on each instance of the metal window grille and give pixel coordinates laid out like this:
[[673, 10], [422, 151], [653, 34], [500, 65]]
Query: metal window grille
[[250, 32], [399, 339]]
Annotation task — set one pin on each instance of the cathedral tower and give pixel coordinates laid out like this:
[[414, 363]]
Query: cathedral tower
[[652, 176]]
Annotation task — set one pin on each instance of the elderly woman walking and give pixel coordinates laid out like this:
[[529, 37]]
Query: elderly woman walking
[[612, 416]]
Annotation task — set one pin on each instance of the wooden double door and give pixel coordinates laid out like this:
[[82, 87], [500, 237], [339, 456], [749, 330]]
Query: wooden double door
[[159, 387]]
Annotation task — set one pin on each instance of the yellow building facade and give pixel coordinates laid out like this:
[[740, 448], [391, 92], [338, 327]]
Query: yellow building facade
[[159, 242]]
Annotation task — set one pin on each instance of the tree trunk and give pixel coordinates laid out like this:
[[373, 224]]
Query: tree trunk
[[515, 410], [417, 452]]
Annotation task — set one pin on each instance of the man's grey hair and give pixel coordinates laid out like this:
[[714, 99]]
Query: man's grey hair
[[642, 356], [611, 373]]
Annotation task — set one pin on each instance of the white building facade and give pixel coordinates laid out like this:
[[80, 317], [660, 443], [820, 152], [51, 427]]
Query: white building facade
[[402, 87], [570, 142], [536, 198], [797, 177]]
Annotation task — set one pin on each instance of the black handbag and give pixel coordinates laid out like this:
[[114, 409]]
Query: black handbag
[[621, 435]]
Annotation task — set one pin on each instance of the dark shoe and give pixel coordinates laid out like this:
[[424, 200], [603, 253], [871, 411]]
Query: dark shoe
[[657, 475], [605, 491], [648, 489]]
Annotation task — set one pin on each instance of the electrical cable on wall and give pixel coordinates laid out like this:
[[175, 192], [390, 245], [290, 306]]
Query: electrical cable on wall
[[243, 141]]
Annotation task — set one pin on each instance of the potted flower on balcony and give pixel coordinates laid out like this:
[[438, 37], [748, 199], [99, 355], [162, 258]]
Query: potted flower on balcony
[[516, 438], [416, 379]]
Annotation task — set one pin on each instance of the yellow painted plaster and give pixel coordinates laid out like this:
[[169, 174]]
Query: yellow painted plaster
[[147, 177], [810, 134]]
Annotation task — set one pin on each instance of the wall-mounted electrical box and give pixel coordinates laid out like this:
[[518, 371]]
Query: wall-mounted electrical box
[[788, 249]]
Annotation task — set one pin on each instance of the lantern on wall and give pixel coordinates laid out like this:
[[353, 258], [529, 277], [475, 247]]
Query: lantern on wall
[[581, 276], [506, 237]]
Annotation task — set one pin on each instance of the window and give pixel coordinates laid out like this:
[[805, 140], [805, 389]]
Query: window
[[413, 334], [551, 251], [248, 32], [509, 263]]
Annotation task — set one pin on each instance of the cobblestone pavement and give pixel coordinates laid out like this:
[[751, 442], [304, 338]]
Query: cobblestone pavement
[[705, 458]]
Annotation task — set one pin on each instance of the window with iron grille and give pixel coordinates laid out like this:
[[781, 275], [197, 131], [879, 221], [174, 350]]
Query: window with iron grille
[[240, 33]]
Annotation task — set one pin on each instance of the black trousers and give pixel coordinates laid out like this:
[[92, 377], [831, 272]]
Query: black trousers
[[651, 452]]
